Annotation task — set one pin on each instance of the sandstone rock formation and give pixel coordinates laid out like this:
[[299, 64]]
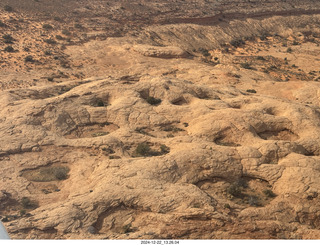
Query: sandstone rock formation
[[178, 132]]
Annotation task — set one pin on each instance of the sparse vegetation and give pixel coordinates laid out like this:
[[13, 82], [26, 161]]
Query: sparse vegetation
[[237, 43], [8, 8], [254, 201], [98, 134], [29, 58], [234, 190], [7, 38], [153, 101], [251, 91], [246, 65], [46, 174], [50, 41], [27, 203], [289, 50], [9, 49], [269, 193], [2, 24], [47, 26], [66, 32], [143, 149]]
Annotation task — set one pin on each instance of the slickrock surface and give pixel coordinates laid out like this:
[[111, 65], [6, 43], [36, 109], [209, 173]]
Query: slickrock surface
[[180, 131]]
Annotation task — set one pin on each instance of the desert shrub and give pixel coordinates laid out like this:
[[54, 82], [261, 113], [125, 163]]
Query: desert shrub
[[29, 58], [77, 25], [7, 38], [251, 91], [289, 50], [2, 24], [260, 58], [204, 52], [27, 203], [264, 36], [47, 26], [8, 8], [254, 201], [50, 41], [23, 212], [153, 101], [143, 149], [66, 32], [58, 37], [164, 149], [269, 193], [227, 206], [126, 228], [246, 65], [295, 43], [98, 134], [234, 190], [241, 182], [56, 18], [237, 43], [9, 49], [47, 52], [61, 173]]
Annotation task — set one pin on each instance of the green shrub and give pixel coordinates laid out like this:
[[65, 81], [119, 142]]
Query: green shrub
[[50, 41], [8, 8], [246, 65], [164, 149], [29, 58], [260, 58], [254, 201], [237, 43], [8, 38], [47, 26], [143, 149], [234, 190], [2, 24], [289, 50], [9, 49], [27, 203], [77, 25], [58, 37], [153, 101], [66, 32], [269, 193], [126, 228], [251, 91]]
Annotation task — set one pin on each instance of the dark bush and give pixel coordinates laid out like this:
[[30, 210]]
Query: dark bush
[[237, 43], [153, 101], [143, 149], [8, 38], [246, 65], [251, 91], [50, 41], [9, 49], [2, 24], [269, 193], [27, 203], [8, 8], [289, 50], [66, 32], [29, 58], [47, 26], [254, 201], [234, 190], [58, 37]]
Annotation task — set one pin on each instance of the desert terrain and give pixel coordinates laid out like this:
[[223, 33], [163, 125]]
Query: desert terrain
[[160, 119]]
